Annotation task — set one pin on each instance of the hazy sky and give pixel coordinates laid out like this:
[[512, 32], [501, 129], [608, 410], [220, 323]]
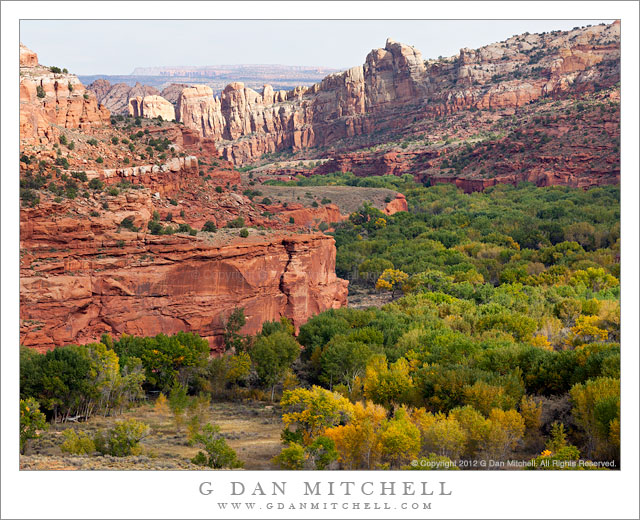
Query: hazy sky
[[118, 46]]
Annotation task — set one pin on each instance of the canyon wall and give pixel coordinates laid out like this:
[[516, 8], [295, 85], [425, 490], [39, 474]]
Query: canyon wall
[[395, 83], [125, 283]]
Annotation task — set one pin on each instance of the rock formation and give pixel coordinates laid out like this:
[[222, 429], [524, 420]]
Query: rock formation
[[164, 284], [172, 92], [151, 107], [28, 58], [90, 264], [395, 86], [49, 100], [116, 97], [197, 109]]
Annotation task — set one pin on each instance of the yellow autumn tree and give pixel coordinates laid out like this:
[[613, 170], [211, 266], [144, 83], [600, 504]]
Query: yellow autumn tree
[[161, 406], [596, 410], [391, 280], [475, 426], [531, 411], [390, 384], [358, 443], [309, 412], [441, 434], [399, 439], [505, 432], [587, 330]]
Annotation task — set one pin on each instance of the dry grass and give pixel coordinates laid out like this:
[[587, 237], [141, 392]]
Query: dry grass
[[251, 428]]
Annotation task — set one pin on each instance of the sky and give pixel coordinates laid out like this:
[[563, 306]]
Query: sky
[[114, 47]]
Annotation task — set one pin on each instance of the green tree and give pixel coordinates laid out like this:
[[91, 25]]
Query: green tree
[[233, 340], [31, 420], [271, 357], [343, 360], [596, 410]]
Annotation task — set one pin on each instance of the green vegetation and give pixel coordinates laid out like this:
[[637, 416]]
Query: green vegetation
[[500, 337], [218, 453], [235, 223], [31, 420]]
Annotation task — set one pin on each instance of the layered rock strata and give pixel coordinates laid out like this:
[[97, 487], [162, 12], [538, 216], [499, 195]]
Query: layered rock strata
[[395, 85], [53, 100], [75, 285]]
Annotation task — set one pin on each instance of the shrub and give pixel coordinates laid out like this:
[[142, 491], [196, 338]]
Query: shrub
[[63, 139], [99, 160], [266, 201], [114, 140], [292, 220], [123, 439], [209, 227], [127, 223], [325, 200], [161, 406], [244, 232], [173, 202], [219, 189], [218, 453], [77, 443], [113, 191], [293, 457], [235, 223], [55, 70], [96, 184], [81, 176], [29, 197], [62, 161], [40, 91], [169, 217], [31, 420], [92, 142]]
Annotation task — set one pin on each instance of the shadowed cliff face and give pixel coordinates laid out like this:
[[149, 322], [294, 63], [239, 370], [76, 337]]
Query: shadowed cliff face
[[395, 86]]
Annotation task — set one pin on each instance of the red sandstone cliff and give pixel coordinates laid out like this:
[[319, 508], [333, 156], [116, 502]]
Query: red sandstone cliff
[[49, 100], [395, 86], [76, 283]]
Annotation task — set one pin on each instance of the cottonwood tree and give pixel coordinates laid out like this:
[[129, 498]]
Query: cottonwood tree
[[271, 357]]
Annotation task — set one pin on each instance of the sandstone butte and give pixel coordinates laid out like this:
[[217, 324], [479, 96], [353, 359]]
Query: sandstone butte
[[82, 274], [151, 107]]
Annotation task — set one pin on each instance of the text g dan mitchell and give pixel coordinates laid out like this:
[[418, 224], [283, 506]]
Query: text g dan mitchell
[[328, 488]]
